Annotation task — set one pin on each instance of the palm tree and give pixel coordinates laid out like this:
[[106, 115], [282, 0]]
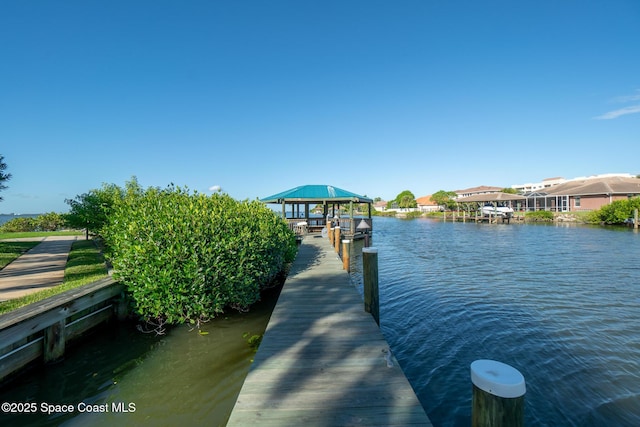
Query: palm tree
[[3, 176]]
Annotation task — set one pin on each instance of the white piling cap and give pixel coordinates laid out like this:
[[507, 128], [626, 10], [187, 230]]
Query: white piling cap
[[370, 250], [497, 378]]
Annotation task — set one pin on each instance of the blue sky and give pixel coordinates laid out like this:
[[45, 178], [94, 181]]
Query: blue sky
[[375, 97]]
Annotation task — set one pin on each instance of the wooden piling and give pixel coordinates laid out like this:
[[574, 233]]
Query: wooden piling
[[370, 277], [54, 342], [346, 251], [635, 219], [336, 238], [121, 308], [498, 395], [330, 232]]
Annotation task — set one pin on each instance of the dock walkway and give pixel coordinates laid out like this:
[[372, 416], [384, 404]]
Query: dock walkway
[[323, 360]]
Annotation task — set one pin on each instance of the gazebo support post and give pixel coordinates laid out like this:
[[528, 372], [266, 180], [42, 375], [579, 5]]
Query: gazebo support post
[[352, 226]]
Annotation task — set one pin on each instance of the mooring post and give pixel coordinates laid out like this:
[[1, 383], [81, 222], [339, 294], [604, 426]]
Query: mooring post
[[635, 219], [54, 342], [370, 278], [346, 250], [498, 395], [330, 232], [336, 238]]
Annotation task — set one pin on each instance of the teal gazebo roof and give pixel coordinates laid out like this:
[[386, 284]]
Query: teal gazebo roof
[[316, 193]]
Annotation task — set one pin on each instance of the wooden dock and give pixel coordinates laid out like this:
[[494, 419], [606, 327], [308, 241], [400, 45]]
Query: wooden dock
[[490, 219], [323, 360]]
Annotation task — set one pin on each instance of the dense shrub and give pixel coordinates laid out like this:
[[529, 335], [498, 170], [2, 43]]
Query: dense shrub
[[19, 225], [539, 216], [46, 222], [413, 214], [50, 222], [616, 212], [185, 257]]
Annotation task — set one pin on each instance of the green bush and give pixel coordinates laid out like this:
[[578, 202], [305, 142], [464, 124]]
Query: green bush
[[50, 222], [46, 222], [185, 257], [617, 211], [413, 214], [19, 225], [539, 216]]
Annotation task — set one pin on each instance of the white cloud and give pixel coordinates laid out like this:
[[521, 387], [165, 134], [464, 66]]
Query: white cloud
[[215, 188], [632, 109], [628, 98]]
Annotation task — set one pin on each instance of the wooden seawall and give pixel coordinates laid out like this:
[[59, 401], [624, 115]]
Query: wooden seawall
[[41, 330], [323, 360]]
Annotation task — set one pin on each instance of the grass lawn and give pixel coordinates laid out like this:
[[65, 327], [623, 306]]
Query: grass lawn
[[84, 265], [39, 234], [12, 250]]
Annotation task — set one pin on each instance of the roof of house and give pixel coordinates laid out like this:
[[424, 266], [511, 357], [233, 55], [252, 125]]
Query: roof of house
[[490, 197], [316, 193], [593, 186], [426, 201], [480, 189]]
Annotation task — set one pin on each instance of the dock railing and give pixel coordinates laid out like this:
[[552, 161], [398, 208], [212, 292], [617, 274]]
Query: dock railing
[[348, 226]]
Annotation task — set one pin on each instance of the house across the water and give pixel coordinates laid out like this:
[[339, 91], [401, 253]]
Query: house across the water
[[584, 194]]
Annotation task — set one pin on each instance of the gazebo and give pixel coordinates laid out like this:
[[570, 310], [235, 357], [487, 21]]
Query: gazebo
[[330, 198]]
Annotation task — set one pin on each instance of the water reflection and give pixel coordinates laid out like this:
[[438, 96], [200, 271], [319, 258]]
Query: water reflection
[[182, 378]]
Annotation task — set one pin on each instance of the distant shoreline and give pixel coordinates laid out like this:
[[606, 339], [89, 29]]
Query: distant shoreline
[[8, 217]]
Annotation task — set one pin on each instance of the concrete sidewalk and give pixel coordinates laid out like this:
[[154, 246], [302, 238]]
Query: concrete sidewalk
[[40, 268]]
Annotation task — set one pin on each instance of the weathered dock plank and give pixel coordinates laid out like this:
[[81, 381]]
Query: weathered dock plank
[[323, 360]]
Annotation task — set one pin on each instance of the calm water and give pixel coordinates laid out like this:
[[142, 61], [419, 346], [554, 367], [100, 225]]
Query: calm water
[[559, 303], [180, 379]]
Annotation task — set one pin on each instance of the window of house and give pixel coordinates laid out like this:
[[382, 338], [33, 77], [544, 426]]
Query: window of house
[[577, 201]]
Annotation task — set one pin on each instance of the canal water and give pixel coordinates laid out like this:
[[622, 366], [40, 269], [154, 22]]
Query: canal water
[[183, 378], [560, 303]]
